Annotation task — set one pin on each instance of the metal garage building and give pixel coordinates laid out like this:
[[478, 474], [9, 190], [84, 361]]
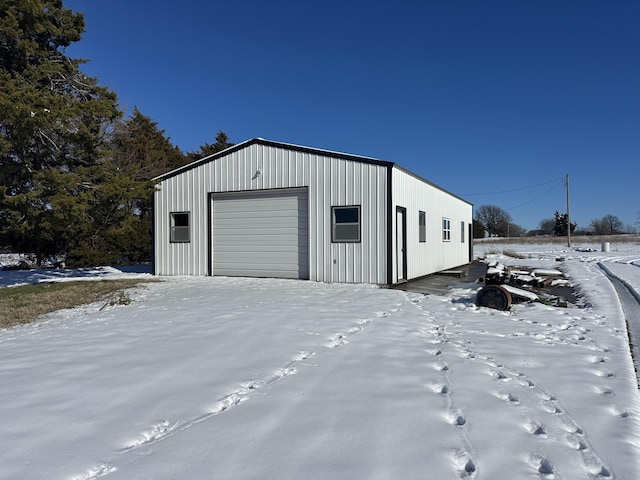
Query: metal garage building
[[270, 209]]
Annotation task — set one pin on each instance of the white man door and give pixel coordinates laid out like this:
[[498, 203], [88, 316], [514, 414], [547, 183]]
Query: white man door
[[401, 243]]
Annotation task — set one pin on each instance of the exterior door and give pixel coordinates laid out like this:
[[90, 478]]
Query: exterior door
[[401, 243]]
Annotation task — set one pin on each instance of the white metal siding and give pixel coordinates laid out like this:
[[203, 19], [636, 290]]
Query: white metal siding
[[434, 255], [261, 234], [331, 181]]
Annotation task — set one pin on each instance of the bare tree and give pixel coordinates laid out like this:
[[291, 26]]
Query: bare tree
[[609, 224], [516, 230], [495, 219], [547, 226]]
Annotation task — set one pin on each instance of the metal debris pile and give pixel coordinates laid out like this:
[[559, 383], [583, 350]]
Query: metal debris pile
[[504, 286]]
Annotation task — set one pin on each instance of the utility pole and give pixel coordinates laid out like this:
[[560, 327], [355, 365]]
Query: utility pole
[[568, 214]]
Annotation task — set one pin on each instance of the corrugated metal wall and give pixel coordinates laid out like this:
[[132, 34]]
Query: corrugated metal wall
[[434, 255], [332, 181]]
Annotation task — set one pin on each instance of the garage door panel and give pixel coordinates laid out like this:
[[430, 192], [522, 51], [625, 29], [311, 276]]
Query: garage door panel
[[265, 225], [262, 234], [288, 247], [244, 214]]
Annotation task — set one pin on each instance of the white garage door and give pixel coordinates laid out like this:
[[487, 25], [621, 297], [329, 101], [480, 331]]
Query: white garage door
[[261, 234]]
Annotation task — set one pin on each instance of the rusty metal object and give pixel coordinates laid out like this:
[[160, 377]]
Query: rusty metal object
[[494, 296]]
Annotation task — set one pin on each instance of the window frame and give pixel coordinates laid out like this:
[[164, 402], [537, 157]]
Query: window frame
[[446, 229], [422, 226], [175, 231], [335, 236]]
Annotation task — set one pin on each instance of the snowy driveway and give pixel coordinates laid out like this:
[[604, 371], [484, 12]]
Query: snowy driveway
[[218, 378]]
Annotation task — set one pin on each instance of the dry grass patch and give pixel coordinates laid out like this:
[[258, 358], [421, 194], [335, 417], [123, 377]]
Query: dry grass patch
[[575, 239], [513, 254], [25, 303]]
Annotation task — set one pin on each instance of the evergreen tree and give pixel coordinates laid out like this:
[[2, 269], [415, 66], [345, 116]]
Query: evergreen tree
[[222, 143], [75, 179], [561, 224], [479, 231], [57, 195], [141, 150]]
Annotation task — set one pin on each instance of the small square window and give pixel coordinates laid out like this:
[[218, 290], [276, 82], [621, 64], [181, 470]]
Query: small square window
[[446, 230], [180, 230], [345, 224], [422, 227]]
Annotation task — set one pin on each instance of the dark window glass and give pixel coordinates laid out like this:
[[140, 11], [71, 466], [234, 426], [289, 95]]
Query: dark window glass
[[345, 224]]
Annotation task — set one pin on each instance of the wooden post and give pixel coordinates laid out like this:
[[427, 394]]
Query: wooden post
[[568, 215]]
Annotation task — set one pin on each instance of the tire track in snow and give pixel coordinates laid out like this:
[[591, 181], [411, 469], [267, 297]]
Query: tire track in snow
[[630, 303]]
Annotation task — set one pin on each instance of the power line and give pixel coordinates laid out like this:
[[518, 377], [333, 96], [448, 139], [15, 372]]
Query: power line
[[515, 189], [537, 198]]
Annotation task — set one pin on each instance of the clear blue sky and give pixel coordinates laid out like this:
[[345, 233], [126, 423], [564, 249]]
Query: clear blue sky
[[476, 96]]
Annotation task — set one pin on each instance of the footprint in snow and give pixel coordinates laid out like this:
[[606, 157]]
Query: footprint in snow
[[543, 466], [463, 464], [509, 397], [620, 413], [525, 382], [457, 419], [156, 432], [537, 429], [440, 388], [337, 340], [97, 472], [441, 366], [303, 356], [574, 442], [606, 391], [598, 359], [499, 375], [551, 407]]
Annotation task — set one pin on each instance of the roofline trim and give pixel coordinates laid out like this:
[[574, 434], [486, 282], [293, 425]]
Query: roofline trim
[[271, 143], [303, 149]]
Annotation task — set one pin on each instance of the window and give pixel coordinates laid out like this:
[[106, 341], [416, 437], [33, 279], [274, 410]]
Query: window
[[446, 230], [345, 224], [180, 231], [462, 231], [422, 227]]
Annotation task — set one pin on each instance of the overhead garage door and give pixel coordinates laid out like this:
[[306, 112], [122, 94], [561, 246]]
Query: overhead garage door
[[261, 234]]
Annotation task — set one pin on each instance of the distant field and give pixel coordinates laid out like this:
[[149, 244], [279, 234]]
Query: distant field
[[580, 239]]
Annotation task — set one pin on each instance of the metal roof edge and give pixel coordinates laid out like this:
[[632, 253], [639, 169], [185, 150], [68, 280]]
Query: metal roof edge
[[424, 180], [304, 149], [203, 160], [271, 143]]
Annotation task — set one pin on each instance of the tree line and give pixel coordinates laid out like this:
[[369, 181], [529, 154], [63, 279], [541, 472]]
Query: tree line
[[493, 221], [75, 172]]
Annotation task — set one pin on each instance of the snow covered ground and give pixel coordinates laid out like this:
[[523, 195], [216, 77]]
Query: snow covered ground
[[222, 378]]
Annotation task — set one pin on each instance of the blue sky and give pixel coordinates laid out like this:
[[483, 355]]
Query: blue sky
[[479, 97]]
